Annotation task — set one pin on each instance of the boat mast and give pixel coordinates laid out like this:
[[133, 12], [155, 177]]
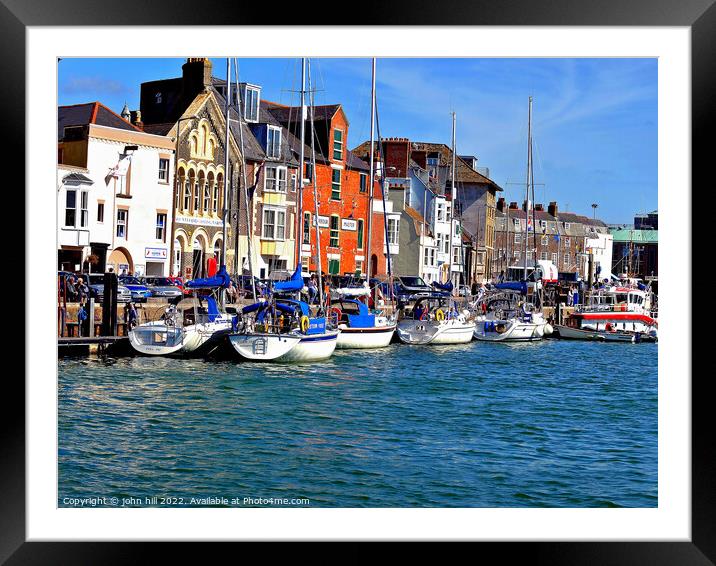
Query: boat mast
[[527, 186], [245, 184], [301, 167], [222, 294], [453, 193], [372, 173], [315, 195]]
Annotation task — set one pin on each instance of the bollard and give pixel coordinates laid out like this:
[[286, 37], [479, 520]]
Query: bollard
[[91, 318]]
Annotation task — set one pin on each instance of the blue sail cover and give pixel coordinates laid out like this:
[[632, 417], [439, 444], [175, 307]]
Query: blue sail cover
[[293, 284], [520, 286], [221, 279], [443, 286]]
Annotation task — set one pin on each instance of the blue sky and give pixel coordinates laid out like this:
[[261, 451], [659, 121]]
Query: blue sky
[[594, 120]]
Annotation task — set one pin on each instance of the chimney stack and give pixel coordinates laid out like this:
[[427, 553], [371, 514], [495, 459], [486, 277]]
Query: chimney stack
[[196, 75], [552, 208], [501, 204], [513, 206], [539, 208]]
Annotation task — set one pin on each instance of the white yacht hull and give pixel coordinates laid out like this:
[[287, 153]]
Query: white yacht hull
[[434, 332], [514, 331], [363, 338], [263, 347], [594, 335], [312, 348], [158, 339]]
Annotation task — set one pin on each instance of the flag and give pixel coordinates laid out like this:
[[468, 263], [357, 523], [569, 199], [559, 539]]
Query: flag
[[556, 238]]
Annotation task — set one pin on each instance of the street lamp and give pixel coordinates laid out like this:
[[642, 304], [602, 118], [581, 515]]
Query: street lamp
[[176, 188], [594, 208]]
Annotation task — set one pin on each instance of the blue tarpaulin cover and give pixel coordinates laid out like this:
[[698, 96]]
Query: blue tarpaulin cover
[[293, 284], [520, 286], [221, 279]]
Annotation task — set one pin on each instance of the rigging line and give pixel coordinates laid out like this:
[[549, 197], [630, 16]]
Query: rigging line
[[315, 193], [249, 231], [382, 191]]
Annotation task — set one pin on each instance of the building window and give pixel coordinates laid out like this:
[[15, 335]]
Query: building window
[[545, 240], [71, 208], [567, 242], [393, 231], [335, 233], [215, 199], [518, 238], [566, 225], [544, 256], [360, 234], [100, 212], [337, 144], [207, 197], [122, 222], [293, 182], [305, 267], [429, 257], [197, 187], [275, 179], [336, 185], [554, 258], [566, 260], [441, 212], [456, 255], [306, 227], [334, 266], [251, 104], [84, 213], [274, 224], [363, 182], [273, 144], [309, 171], [359, 267], [163, 169], [161, 226]]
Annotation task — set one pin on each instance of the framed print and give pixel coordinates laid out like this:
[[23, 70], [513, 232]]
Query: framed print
[[395, 279]]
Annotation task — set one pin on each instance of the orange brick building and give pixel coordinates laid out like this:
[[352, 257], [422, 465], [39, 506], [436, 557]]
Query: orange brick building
[[341, 180]]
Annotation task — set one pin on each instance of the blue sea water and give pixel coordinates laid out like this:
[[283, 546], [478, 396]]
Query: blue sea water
[[550, 424]]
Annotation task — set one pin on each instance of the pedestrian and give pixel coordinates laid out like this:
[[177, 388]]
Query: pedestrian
[[575, 298], [71, 289], [130, 316], [231, 292], [312, 289], [82, 290]]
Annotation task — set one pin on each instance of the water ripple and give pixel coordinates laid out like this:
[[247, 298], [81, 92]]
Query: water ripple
[[478, 425]]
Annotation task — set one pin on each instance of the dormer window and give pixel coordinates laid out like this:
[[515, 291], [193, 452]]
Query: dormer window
[[337, 144], [251, 103], [273, 142]]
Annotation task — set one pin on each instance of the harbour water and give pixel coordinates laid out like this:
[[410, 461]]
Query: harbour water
[[550, 424]]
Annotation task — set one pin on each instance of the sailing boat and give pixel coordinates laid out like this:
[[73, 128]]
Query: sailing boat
[[283, 328], [436, 318], [191, 328], [359, 327], [508, 315]]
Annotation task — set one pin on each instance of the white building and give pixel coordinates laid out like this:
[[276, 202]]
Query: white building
[[599, 244], [114, 193]]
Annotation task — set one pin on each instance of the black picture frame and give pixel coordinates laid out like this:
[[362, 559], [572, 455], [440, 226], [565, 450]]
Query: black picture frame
[[699, 15]]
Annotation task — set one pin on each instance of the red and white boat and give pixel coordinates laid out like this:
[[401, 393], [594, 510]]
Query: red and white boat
[[613, 314]]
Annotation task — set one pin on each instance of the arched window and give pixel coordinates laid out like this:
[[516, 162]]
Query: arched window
[[197, 193], [219, 194], [187, 190], [179, 188], [213, 186], [207, 198]]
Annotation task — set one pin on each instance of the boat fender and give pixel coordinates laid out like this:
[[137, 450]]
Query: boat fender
[[305, 323], [439, 315], [548, 329]]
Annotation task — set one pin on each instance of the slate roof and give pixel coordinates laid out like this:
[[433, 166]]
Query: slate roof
[[77, 179], [89, 113], [463, 172]]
